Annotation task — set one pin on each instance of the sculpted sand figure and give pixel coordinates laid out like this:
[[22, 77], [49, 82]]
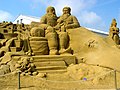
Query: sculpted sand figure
[[50, 18], [47, 23], [114, 32], [66, 21], [55, 29]]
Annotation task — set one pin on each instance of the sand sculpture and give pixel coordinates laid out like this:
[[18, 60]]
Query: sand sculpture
[[59, 40], [114, 32], [56, 29]]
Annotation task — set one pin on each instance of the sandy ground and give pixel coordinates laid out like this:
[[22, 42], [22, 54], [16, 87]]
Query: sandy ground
[[94, 49], [103, 79]]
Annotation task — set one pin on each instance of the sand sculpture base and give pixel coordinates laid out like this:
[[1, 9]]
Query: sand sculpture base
[[50, 63]]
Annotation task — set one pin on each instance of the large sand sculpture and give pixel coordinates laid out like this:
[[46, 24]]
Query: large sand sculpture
[[61, 41], [58, 49]]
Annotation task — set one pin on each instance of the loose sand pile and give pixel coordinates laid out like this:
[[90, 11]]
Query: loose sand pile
[[85, 72]]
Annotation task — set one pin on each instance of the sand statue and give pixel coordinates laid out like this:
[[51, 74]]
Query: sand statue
[[55, 29], [114, 32], [46, 30], [49, 21], [66, 21], [50, 17]]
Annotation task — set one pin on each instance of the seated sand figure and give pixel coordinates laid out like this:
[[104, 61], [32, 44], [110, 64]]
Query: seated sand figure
[[49, 21], [46, 26], [114, 32], [66, 21]]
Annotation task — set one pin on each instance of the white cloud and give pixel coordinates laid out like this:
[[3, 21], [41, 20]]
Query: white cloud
[[5, 16], [92, 20], [89, 17]]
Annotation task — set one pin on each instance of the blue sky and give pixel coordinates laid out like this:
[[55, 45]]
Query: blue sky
[[96, 14]]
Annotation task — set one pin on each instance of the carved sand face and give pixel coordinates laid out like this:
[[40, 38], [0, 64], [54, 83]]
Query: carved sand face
[[51, 11], [65, 11], [114, 24]]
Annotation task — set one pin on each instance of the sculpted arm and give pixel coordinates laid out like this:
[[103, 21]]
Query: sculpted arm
[[75, 23], [59, 23], [43, 20]]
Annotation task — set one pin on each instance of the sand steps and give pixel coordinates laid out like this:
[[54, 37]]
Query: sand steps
[[53, 63], [50, 63]]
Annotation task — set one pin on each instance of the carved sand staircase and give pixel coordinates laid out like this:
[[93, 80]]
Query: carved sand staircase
[[50, 63], [53, 63]]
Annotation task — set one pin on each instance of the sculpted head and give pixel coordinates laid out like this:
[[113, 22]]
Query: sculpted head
[[50, 10], [66, 10], [114, 23]]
